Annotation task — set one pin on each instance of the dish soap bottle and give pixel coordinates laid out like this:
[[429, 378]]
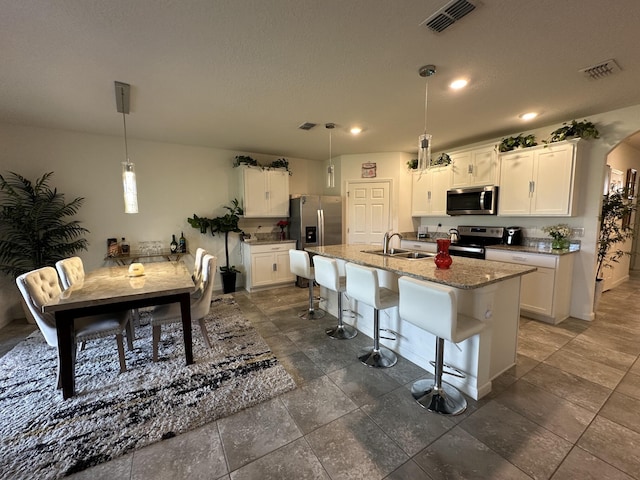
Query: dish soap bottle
[[124, 247], [182, 244], [174, 245]]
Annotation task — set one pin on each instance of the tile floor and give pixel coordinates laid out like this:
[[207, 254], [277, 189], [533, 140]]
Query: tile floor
[[568, 410]]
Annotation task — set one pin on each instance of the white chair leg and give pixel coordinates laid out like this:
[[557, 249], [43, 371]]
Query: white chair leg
[[205, 335]]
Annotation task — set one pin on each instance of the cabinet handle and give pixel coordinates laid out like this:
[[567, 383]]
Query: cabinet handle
[[266, 195], [520, 259], [470, 169], [533, 186], [429, 195], [275, 267]]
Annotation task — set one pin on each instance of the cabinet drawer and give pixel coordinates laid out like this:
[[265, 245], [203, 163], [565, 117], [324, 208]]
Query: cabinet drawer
[[271, 248], [531, 259]]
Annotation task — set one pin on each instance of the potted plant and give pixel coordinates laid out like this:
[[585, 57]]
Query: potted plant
[[519, 141], [584, 129], [226, 224], [245, 160], [412, 164], [35, 229], [201, 223], [442, 160], [560, 234], [614, 229], [280, 163]]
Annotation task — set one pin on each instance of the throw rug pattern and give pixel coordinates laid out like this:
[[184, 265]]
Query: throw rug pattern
[[43, 436]]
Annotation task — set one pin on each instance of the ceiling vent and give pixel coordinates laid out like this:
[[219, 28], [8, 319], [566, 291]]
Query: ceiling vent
[[601, 70], [307, 126], [449, 14]]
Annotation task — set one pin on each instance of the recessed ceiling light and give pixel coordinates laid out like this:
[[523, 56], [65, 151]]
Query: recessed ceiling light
[[528, 116], [355, 130], [458, 84]]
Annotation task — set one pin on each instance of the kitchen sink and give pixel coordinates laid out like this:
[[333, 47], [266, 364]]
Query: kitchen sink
[[415, 255], [401, 253], [392, 252]]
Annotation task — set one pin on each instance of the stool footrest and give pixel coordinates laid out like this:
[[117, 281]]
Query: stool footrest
[[453, 371], [395, 334]]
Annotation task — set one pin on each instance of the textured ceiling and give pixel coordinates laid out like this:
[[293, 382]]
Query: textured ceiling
[[243, 74]]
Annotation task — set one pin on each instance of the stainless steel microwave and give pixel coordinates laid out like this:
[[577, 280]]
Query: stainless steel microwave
[[473, 201]]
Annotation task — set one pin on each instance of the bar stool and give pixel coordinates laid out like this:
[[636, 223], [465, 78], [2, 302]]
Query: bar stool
[[327, 275], [362, 284], [300, 265], [433, 308]]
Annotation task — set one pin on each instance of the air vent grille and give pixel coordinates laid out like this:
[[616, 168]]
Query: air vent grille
[[449, 14], [307, 126], [601, 70]]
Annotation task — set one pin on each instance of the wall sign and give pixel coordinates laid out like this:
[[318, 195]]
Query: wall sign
[[369, 170]]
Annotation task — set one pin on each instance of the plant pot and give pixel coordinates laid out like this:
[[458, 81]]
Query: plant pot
[[598, 293], [228, 282]]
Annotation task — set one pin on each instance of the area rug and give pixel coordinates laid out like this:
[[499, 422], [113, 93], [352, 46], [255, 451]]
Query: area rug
[[43, 436]]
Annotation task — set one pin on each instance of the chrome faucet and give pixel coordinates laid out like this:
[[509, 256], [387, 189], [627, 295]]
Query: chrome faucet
[[385, 241]]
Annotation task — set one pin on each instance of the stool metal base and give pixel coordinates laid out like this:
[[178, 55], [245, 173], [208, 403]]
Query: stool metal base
[[342, 332], [383, 358], [446, 400], [307, 314]]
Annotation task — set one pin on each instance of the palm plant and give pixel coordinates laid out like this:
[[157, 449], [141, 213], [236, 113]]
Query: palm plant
[[614, 228], [35, 230]]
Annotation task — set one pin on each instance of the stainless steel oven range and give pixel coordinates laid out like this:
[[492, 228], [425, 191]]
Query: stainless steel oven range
[[473, 239]]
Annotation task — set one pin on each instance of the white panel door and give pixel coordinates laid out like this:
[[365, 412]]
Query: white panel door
[[368, 208]]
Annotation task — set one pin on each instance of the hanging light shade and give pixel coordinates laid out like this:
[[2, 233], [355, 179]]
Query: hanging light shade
[[128, 169], [424, 140], [331, 170]]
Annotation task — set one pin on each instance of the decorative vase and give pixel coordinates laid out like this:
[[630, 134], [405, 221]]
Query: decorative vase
[[283, 236], [559, 243], [443, 259]]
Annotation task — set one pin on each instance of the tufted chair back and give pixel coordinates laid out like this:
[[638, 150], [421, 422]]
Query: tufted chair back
[[71, 270], [37, 288]]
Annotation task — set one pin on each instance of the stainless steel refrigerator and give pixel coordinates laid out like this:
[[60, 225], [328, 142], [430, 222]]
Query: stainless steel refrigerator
[[315, 220]]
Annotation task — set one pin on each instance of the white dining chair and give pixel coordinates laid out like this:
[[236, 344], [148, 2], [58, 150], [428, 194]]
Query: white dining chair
[[200, 305], [197, 265], [40, 286], [71, 272]]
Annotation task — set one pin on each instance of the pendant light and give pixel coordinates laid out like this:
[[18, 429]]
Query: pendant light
[[128, 168], [424, 140], [331, 170]]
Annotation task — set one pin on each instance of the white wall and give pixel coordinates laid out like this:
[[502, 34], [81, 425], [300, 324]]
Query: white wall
[[393, 166], [174, 182]]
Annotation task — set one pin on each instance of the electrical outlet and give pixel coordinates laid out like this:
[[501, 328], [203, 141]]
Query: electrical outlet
[[577, 232]]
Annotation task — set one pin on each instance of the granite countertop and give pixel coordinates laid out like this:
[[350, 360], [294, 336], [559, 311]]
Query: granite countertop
[[464, 273], [534, 246]]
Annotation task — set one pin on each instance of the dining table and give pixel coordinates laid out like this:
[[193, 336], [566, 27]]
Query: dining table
[[112, 289]]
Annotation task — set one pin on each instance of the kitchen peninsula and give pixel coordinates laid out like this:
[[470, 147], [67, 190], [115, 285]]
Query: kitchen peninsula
[[486, 290]]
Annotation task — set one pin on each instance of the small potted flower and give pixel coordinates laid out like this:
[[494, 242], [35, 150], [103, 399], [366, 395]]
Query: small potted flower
[[283, 224], [560, 234]]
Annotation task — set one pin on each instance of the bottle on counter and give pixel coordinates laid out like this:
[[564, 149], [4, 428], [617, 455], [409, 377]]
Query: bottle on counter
[[173, 246], [124, 247], [182, 244]]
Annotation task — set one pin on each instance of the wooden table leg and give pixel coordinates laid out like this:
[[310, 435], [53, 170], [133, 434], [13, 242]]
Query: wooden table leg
[[66, 354], [185, 310]]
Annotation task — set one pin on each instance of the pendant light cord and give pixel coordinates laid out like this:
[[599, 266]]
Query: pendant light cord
[[426, 98], [124, 122]]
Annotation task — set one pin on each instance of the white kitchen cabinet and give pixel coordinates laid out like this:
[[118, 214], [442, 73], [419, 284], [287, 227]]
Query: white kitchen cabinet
[[265, 193], [267, 265], [539, 181], [474, 167], [546, 293], [429, 192]]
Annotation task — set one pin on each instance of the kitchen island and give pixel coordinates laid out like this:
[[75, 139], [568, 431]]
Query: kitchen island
[[486, 290]]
